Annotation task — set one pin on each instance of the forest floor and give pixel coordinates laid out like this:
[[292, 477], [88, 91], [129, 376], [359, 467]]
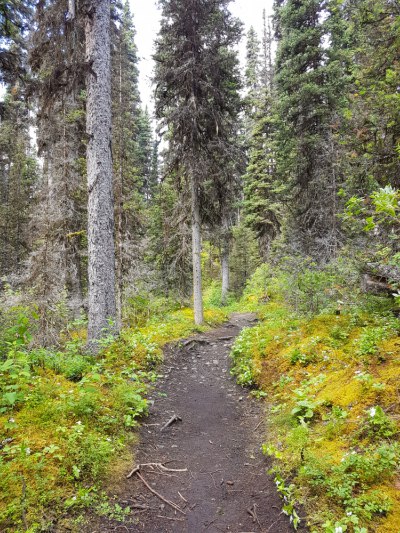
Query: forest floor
[[213, 471]]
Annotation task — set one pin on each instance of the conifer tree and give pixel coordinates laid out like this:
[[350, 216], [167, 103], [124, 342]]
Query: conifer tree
[[252, 73], [128, 177], [308, 94], [145, 153], [56, 265], [101, 255], [196, 97], [262, 202], [18, 175], [18, 168], [370, 36], [15, 19]]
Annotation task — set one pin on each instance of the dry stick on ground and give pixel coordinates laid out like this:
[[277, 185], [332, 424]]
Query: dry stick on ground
[[174, 418], [184, 499], [169, 518], [158, 465], [168, 502], [258, 425]]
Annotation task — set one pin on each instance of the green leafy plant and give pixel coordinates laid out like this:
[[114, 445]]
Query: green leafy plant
[[289, 503], [378, 424]]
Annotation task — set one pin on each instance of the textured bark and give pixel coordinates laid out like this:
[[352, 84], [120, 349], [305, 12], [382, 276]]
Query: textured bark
[[196, 248], [102, 306]]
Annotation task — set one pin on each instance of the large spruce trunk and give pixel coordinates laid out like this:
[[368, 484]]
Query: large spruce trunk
[[102, 306], [196, 252]]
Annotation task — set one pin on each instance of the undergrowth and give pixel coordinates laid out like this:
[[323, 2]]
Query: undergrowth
[[331, 380], [66, 418]]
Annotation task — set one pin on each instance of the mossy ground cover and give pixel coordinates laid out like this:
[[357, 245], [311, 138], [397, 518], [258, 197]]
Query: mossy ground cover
[[66, 419], [332, 387]]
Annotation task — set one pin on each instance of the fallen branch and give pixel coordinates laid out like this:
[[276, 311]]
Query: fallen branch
[[174, 418], [168, 502], [158, 465]]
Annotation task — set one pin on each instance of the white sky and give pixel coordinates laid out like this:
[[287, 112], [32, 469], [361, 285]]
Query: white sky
[[147, 16]]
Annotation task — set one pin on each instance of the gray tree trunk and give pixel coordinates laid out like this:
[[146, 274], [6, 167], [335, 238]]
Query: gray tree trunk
[[225, 257], [225, 273], [196, 253], [102, 306]]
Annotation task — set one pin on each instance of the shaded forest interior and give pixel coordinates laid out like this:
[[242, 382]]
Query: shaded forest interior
[[271, 187]]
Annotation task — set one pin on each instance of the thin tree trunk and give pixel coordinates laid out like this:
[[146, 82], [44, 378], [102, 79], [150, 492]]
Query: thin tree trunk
[[101, 253], [225, 273], [196, 247], [225, 258]]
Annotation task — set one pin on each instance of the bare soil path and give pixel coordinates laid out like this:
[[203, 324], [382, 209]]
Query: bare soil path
[[224, 485]]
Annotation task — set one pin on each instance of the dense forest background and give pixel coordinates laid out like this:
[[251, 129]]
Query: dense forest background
[[307, 140], [286, 172]]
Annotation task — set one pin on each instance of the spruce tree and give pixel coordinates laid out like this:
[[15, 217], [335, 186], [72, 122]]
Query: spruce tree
[[196, 97], [15, 20], [128, 177], [56, 267], [145, 153], [101, 255], [18, 175], [308, 94], [262, 191], [18, 168]]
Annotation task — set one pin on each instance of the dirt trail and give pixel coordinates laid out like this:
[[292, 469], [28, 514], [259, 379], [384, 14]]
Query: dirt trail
[[225, 487]]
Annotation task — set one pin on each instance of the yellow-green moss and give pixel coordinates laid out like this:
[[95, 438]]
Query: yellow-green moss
[[320, 358]]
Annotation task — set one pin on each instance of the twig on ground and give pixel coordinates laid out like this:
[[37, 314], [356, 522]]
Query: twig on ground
[[174, 418], [168, 502], [258, 425], [169, 518], [184, 499]]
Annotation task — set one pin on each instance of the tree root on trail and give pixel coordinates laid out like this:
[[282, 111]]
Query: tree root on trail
[[157, 465], [168, 502]]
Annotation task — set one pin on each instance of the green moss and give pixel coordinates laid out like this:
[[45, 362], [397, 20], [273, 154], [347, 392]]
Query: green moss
[[332, 385], [73, 417]]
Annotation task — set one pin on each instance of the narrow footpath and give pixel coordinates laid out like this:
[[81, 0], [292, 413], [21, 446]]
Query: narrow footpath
[[206, 465]]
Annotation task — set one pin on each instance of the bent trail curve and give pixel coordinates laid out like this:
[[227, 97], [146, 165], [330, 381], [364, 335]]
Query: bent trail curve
[[223, 485]]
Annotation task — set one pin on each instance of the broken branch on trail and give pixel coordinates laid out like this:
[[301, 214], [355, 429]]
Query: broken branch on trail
[[168, 502], [174, 418]]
